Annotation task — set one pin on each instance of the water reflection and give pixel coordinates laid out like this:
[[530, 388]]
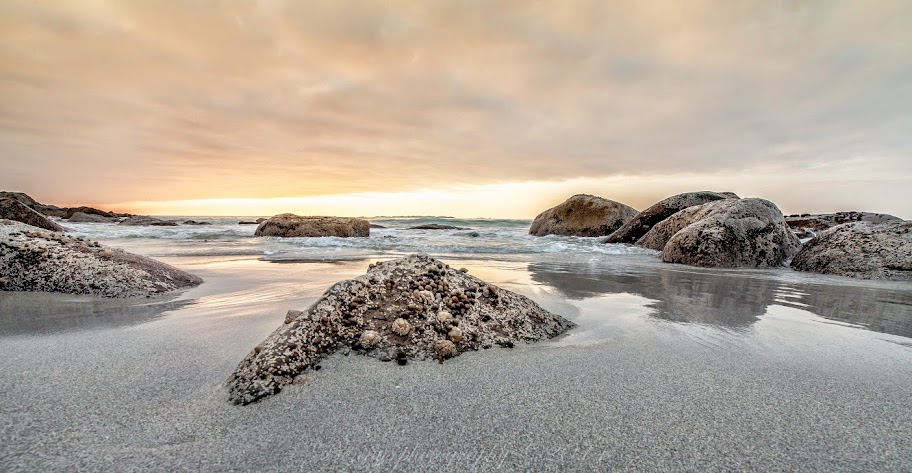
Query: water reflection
[[28, 313], [730, 299]]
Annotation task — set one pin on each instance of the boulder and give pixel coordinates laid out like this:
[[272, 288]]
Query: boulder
[[82, 217], [145, 221], [44, 209], [435, 226], [32, 259], [730, 233], [375, 225], [291, 225], [860, 250], [582, 215], [818, 222], [13, 209], [194, 222], [92, 211], [244, 222], [405, 309], [633, 230]]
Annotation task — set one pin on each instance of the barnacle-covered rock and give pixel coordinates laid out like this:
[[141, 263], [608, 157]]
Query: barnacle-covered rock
[[32, 259], [369, 315]]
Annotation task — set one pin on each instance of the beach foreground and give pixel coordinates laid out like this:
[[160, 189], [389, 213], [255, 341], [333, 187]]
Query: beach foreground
[[670, 367]]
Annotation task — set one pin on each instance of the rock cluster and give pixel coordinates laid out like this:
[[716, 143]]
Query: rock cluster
[[13, 209], [818, 222], [93, 211], [640, 224], [32, 259], [410, 308], [729, 233], [582, 215], [82, 217], [49, 210], [861, 250], [291, 225]]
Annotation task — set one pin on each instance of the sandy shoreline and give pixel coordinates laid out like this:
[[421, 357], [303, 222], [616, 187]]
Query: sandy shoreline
[[760, 382]]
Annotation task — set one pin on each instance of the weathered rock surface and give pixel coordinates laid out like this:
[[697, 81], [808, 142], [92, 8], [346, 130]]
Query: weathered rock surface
[[582, 215], [861, 250], [436, 226], [32, 259], [633, 230], [818, 222], [731, 233], [145, 221], [44, 209], [409, 308], [13, 209], [93, 211], [82, 217], [291, 225]]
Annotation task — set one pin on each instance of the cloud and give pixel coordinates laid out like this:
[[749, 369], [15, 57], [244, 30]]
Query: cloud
[[172, 100]]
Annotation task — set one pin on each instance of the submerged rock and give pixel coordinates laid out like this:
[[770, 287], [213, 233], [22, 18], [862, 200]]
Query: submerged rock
[[32, 259], [13, 209], [860, 250], [291, 225], [415, 307], [194, 222], [582, 215], [820, 222], [376, 225], [436, 226], [731, 233], [82, 217], [145, 221], [633, 230]]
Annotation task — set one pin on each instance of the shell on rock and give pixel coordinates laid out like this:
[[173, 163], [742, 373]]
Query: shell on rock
[[444, 317], [401, 327], [369, 339], [455, 334], [445, 349]]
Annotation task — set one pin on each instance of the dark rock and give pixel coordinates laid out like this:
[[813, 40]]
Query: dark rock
[[633, 230], [82, 217], [13, 209], [290, 225], [93, 211], [861, 250], [141, 221], [323, 328], [582, 215], [248, 223], [374, 225], [435, 226], [32, 259], [194, 222], [44, 209]]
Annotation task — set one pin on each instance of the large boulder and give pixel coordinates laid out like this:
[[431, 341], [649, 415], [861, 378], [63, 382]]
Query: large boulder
[[819, 222], [146, 221], [32, 259], [291, 225], [730, 233], [13, 209], [409, 308], [860, 250], [634, 229], [582, 215], [44, 209], [82, 217]]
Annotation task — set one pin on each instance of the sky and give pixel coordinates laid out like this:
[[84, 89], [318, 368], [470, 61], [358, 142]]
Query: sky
[[469, 108]]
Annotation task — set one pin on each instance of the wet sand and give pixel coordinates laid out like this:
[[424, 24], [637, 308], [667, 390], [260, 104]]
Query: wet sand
[[670, 368]]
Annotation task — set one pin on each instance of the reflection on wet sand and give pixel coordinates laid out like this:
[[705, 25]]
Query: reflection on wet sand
[[32, 313], [730, 299]]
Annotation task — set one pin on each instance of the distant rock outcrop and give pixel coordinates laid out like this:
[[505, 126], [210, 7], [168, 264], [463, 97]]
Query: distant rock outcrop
[[291, 225], [82, 217], [13, 209], [818, 222], [93, 211], [409, 308], [582, 215], [730, 233], [49, 210], [194, 222], [861, 250], [145, 221], [633, 230], [32, 259]]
